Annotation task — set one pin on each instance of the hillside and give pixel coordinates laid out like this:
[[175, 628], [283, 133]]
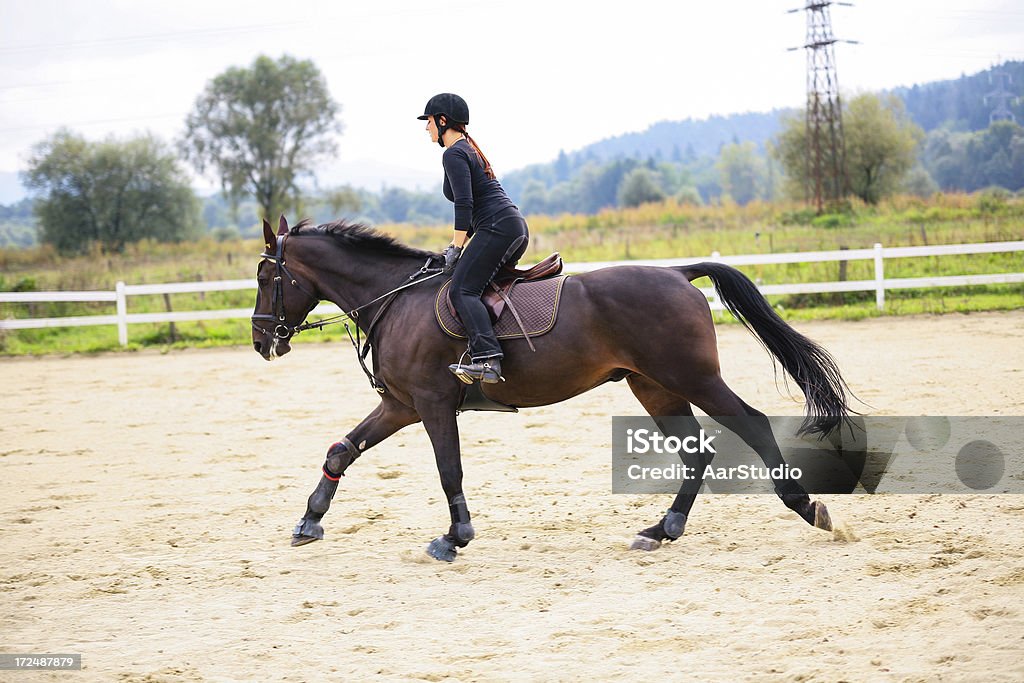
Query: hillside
[[958, 104]]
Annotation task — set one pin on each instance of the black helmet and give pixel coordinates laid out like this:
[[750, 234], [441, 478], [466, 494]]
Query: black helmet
[[453, 107]]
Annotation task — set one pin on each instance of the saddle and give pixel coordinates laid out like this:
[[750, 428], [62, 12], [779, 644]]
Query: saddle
[[500, 287], [536, 292]]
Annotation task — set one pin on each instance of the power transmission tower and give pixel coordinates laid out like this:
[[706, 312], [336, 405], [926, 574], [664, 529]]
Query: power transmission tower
[[825, 175], [1001, 95]]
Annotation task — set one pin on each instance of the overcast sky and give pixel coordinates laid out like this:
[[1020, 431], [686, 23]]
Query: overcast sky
[[539, 76]]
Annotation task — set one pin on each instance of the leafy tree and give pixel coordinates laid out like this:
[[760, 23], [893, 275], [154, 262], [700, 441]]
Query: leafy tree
[[111, 192], [263, 127], [689, 195], [599, 185], [395, 203], [881, 144], [640, 187], [919, 182], [17, 224], [972, 161], [534, 197], [742, 172], [343, 198], [562, 167]]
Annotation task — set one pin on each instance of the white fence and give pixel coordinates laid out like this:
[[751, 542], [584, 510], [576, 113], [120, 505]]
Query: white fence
[[879, 284]]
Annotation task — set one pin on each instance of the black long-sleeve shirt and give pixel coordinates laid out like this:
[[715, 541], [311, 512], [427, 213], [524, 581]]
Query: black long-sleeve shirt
[[476, 197]]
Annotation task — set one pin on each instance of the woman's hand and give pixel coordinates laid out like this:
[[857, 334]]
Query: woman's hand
[[451, 257]]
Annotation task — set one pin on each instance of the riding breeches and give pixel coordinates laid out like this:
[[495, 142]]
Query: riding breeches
[[501, 242]]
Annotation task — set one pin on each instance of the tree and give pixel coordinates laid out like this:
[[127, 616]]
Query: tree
[[262, 128], [640, 187], [342, 198], [111, 192], [881, 144], [689, 195], [562, 167], [534, 197], [972, 161], [742, 172], [919, 182]]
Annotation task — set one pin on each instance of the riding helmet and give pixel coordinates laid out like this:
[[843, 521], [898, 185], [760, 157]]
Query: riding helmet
[[451, 105]]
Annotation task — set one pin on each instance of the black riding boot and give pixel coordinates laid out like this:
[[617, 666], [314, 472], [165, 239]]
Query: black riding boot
[[487, 370]]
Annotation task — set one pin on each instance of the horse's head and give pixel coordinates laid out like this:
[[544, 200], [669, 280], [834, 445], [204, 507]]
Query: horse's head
[[282, 300]]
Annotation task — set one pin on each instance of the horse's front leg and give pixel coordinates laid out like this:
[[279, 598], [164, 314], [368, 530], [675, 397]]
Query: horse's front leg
[[443, 430], [386, 419]]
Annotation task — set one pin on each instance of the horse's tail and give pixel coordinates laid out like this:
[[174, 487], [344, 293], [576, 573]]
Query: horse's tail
[[810, 365]]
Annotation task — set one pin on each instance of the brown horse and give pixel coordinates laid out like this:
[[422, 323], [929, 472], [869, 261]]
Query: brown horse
[[647, 325]]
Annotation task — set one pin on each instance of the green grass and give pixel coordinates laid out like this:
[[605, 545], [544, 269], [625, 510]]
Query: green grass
[[651, 231]]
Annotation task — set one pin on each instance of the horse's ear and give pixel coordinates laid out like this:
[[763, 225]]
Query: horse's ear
[[282, 226], [268, 237]]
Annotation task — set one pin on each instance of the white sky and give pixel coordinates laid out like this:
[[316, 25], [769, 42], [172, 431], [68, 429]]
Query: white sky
[[539, 75]]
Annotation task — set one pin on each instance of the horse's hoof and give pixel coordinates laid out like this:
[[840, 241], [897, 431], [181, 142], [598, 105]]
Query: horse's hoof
[[822, 519], [306, 531], [442, 549], [645, 543]]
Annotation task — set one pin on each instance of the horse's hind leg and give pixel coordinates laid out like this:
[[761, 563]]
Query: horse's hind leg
[[674, 417], [386, 419], [716, 399]]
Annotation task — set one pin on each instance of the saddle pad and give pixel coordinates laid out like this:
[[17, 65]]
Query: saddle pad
[[536, 302]]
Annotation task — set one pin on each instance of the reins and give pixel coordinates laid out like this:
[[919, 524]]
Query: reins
[[353, 315], [282, 330]]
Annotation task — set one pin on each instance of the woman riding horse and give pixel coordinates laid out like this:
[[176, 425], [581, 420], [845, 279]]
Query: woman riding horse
[[484, 212]]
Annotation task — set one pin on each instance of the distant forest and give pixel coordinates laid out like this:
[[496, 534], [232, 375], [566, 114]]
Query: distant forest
[[684, 159]]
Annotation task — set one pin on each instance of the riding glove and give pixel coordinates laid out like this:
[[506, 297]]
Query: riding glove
[[451, 256]]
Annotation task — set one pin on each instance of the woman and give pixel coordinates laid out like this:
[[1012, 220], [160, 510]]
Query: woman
[[484, 213]]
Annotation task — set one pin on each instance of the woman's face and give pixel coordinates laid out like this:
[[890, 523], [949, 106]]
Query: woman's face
[[432, 128]]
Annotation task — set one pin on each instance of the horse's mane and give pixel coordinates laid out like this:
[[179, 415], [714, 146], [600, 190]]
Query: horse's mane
[[359, 236]]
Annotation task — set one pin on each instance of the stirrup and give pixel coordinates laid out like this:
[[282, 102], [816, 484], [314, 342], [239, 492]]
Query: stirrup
[[481, 371]]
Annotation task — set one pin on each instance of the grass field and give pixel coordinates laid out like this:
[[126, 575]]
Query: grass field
[[650, 231]]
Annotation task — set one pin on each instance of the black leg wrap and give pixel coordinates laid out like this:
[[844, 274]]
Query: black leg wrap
[[319, 501], [461, 531], [670, 527], [461, 534], [308, 529], [339, 456], [674, 524]]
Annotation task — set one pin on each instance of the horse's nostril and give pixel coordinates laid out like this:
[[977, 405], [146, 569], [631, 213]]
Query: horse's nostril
[[258, 346]]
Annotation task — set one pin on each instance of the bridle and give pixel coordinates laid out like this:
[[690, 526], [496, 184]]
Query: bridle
[[283, 331]]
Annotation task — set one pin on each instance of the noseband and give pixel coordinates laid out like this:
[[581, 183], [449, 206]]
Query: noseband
[[282, 330]]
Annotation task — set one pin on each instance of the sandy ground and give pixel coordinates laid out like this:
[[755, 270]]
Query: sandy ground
[[147, 502]]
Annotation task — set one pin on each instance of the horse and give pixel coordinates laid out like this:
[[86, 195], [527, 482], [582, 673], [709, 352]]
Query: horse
[[646, 325]]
